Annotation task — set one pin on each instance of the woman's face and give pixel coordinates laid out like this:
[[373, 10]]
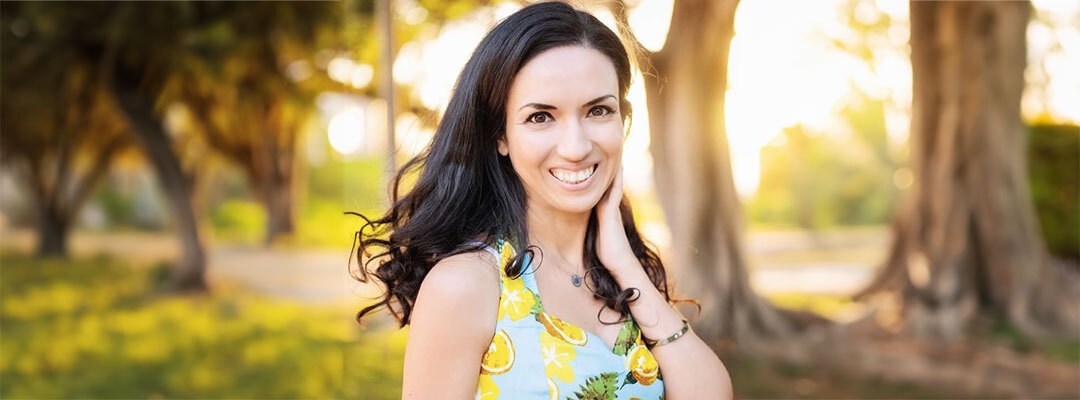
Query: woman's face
[[564, 132]]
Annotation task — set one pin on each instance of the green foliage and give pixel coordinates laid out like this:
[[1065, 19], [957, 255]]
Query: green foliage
[[96, 328], [1054, 163], [334, 188], [116, 206], [238, 221], [1057, 349], [816, 181]]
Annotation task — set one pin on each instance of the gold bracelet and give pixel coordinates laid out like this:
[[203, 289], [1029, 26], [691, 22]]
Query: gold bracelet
[[652, 344]]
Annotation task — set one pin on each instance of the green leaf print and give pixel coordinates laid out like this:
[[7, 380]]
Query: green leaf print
[[537, 308], [627, 337], [598, 387]]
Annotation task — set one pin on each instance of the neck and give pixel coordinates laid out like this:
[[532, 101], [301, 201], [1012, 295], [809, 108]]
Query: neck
[[560, 235]]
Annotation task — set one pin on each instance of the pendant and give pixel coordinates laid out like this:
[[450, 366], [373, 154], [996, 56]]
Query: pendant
[[576, 280]]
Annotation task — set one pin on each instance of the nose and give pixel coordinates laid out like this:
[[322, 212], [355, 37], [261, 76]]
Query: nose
[[574, 142]]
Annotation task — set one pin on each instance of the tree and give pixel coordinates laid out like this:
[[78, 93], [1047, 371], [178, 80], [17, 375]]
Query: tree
[[249, 109], [966, 240], [685, 83], [57, 129]]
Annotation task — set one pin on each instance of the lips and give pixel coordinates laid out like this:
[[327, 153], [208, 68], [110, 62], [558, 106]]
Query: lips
[[573, 177]]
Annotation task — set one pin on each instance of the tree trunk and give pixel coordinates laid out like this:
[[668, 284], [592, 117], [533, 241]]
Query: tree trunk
[[52, 230], [966, 241], [188, 275], [273, 164], [685, 92], [279, 209]]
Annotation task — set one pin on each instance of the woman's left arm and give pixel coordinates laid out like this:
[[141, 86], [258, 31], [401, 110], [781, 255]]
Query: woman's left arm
[[691, 369]]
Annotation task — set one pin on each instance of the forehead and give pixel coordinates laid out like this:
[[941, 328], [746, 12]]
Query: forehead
[[564, 74]]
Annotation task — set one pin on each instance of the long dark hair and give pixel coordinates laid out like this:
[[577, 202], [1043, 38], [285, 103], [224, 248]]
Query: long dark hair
[[467, 194]]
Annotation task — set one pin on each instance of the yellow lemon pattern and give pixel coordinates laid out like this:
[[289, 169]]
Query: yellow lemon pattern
[[486, 389], [574, 367], [642, 365], [500, 355], [516, 300], [562, 330], [553, 390], [557, 355]]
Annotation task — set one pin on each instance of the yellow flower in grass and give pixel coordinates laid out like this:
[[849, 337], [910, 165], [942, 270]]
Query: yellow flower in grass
[[486, 389], [557, 355], [516, 300]]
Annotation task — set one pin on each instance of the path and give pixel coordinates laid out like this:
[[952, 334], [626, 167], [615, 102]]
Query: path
[[782, 262]]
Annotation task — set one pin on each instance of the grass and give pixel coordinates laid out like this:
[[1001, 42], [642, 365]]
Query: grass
[[830, 306], [98, 328]]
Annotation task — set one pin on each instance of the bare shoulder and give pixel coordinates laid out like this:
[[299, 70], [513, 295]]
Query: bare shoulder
[[451, 326], [462, 278]]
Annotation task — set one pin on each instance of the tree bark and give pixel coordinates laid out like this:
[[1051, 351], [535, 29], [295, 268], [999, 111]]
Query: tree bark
[[188, 275], [966, 241], [280, 212], [274, 162], [685, 83], [52, 230]]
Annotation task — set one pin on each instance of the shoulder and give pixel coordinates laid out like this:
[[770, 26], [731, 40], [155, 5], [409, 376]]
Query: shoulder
[[463, 278], [451, 326], [462, 290]]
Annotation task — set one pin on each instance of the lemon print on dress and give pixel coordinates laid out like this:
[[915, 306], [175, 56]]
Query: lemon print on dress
[[486, 389], [562, 330], [642, 365], [499, 357], [516, 301], [553, 390], [557, 355], [505, 255]]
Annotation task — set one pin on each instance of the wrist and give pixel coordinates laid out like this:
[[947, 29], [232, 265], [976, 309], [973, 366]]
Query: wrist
[[625, 269]]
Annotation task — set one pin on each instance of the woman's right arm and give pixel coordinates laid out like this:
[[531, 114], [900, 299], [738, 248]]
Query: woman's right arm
[[452, 323]]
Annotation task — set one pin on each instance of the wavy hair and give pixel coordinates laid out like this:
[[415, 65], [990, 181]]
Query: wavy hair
[[466, 194]]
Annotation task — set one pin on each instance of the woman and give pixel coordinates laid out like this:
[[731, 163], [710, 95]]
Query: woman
[[527, 156]]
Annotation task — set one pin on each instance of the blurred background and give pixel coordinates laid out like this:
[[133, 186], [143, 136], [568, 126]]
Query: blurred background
[[175, 176]]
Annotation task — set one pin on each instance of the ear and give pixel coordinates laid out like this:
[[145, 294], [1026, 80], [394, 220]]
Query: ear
[[504, 150]]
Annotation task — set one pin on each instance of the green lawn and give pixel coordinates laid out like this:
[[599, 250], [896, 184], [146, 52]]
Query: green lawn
[[101, 328], [97, 328]]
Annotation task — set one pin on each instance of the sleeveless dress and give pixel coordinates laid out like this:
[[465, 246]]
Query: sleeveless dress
[[535, 355]]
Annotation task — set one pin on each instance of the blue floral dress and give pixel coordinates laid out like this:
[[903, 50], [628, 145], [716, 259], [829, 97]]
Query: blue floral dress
[[535, 355]]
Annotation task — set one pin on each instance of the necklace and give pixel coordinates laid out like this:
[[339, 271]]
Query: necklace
[[575, 279]]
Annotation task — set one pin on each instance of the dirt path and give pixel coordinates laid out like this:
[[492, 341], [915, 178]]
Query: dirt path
[[782, 262]]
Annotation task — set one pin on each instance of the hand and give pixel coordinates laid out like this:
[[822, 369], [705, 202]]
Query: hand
[[612, 246]]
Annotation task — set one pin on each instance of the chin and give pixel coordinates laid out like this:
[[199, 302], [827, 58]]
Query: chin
[[578, 206]]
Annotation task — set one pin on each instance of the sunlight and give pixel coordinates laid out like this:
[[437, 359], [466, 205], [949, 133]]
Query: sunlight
[[780, 75], [782, 72], [346, 130]]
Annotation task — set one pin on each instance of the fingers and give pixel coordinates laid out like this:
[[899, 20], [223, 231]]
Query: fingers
[[614, 194]]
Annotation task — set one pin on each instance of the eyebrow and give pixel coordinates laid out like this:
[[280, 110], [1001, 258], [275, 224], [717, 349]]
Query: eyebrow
[[540, 106]]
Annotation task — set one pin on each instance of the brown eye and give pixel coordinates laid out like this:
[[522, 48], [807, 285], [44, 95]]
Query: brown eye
[[539, 118], [600, 111]]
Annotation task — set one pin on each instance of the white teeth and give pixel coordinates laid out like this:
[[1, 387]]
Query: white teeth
[[573, 177]]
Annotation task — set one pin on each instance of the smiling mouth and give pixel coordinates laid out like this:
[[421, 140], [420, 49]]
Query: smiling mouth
[[573, 177]]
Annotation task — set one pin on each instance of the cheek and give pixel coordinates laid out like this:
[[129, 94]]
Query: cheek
[[612, 141], [526, 151]]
